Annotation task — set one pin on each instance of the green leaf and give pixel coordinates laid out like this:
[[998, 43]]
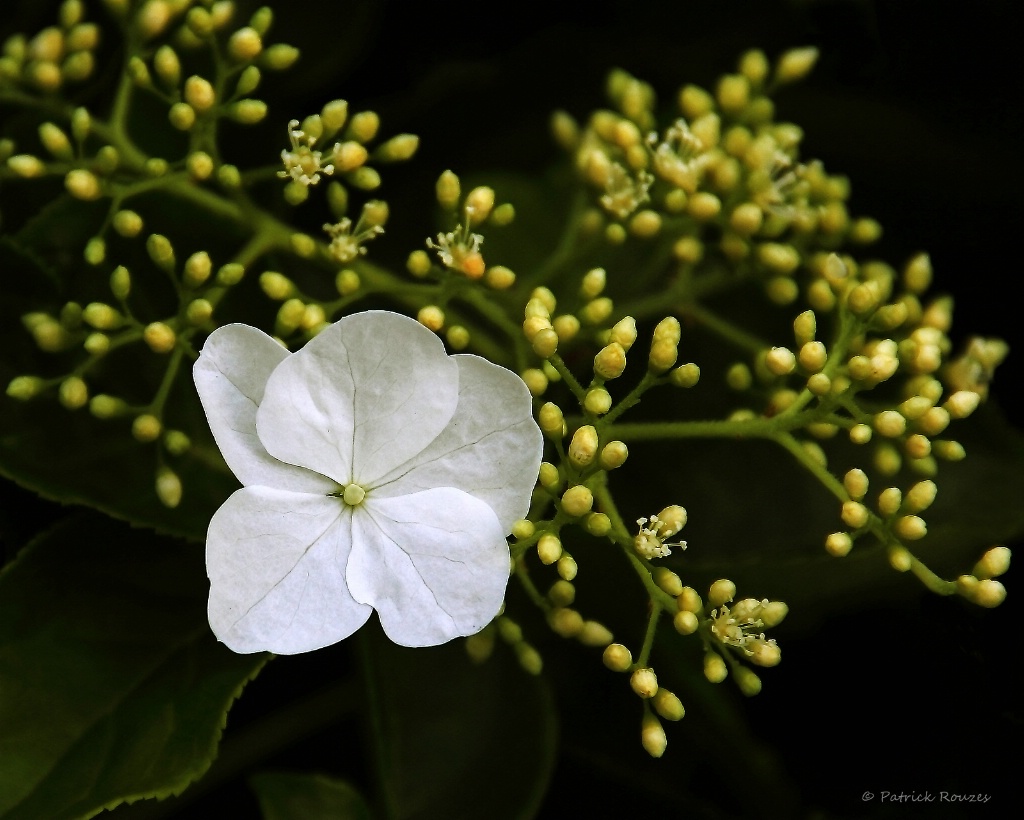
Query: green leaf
[[113, 687], [454, 739], [285, 796]]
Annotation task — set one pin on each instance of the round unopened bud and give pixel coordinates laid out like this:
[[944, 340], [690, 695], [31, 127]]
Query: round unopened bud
[[101, 316], [199, 311], [855, 514], [245, 44], [198, 268], [644, 682], [545, 343], [715, 669], [663, 355], [920, 496], [199, 93], [431, 317], [747, 680], [577, 501], [962, 403], [617, 657], [795, 64], [548, 476], [704, 206], [596, 311], [686, 375], [917, 276], [478, 204], [566, 622], [813, 356], [721, 592], [593, 283], [566, 567], [598, 524], [562, 593], [594, 633], [583, 446], [838, 544], [83, 185], [910, 527], [160, 337], [597, 401], [146, 428], [160, 251], [689, 600], [765, 653], [248, 111], [551, 420], [127, 223], [549, 548], [652, 736], [448, 190], [623, 332], [24, 388], [856, 483], [685, 622], [668, 581], [890, 423], [610, 361], [613, 455], [499, 277], [168, 487], [993, 563], [889, 501], [988, 593], [780, 361]]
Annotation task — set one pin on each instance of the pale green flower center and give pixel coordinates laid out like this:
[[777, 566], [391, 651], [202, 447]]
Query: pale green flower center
[[353, 495]]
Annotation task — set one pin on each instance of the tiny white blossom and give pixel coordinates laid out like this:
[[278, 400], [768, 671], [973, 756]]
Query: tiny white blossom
[[378, 473], [346, 243], [680, 157], [302, 163], [650, 542], [460, 249], [624, 193]]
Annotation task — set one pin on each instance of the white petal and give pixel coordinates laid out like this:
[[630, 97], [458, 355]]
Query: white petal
[[230, 375], [361, 398], [276, 562], [491, 448], [433, 564]]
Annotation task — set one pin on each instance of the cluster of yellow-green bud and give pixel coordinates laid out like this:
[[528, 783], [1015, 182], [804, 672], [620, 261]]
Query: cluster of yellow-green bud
[[459, 249], [658, 701], [731, 633], [57, 55], [480, 646]]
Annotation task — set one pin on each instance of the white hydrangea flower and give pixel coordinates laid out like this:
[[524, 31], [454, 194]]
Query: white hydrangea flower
[[379, 474]]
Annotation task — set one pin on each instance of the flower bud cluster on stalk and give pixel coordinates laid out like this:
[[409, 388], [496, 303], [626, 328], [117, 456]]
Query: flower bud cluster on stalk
[[715, 191]]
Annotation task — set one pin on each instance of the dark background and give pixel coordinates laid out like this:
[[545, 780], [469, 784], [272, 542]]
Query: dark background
[[919, 102]]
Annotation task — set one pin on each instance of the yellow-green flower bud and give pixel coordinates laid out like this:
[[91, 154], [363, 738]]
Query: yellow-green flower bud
[[668, 705], [549, 548], [363, 126], [167, 66], [623, 333], [160, 337], [499, 277], [598, 401], [229, 177], [73, 393], [652, 735], [523, 528], [854, 514], [593, 283], [721, 592], [127, 223], [479, 203], [198, 312], [610, 361], [921, 496], [988, 593], [245, 44], [199, 93], [644, 682], [26, 165], [568, 623], [96, 344], [168, 487], [303, 244], [56, 141], [856, 483], [613, 455], [448, 191], [146, 428], [594, 633], [529, 659], [993, 563], [279, 57], [365, 179], [182, 116], [577, 501], [889, 501], [549, 477], [748, 681], [617, 657], [598, 524], [685, 622], [101, 316], [780, 361], [689, 600], [778, 258], [545, 343], [715, 669], [795, 64], [83, 185], [596, 311], [838, 544], [161, 251], [24, 388], [738, 376], [230, 274], [566, 567], [583, 446], [910, 528], [152, 18], [249, 111], [120, 283], [156, 167], [890, 424], [668, 581], [106, 407], [248, 81], [704, 206], [198, 268], [431, 317], [686, 375], [962, 403], [562, 593]]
